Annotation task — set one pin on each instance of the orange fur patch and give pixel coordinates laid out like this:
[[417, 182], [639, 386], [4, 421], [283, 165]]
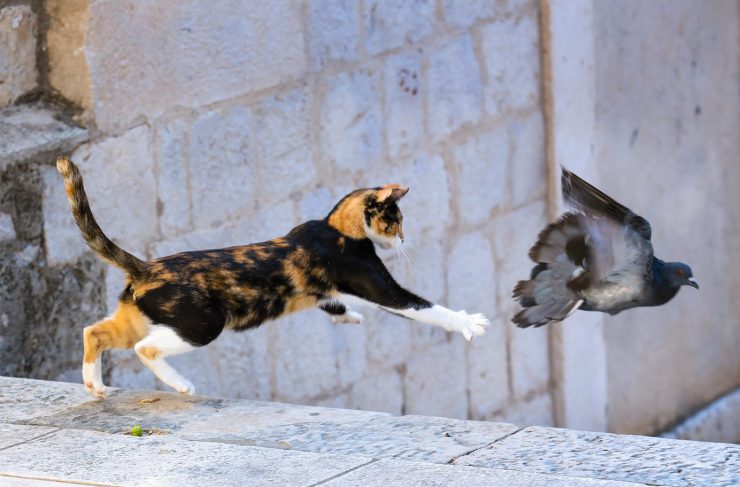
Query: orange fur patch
[[126, 327], [349, 218]]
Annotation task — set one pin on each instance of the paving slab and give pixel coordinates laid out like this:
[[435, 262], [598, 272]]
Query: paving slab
[[7, 481], [392, 473], [642, 459], [12, 434], [275, 425], [23, 399], [28, 130], [88, 456]]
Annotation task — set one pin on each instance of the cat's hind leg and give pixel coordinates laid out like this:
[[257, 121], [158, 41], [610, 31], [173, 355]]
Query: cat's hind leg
[[121, 330], [163, 341]]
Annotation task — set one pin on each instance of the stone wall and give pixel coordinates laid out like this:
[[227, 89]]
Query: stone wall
[[215, 124], [222, 124]]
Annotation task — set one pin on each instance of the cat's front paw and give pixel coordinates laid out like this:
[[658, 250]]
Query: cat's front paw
[[352, 317], [472, 325]]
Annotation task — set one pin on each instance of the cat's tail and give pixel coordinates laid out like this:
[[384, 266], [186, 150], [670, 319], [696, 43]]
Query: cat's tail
[[91, 232]]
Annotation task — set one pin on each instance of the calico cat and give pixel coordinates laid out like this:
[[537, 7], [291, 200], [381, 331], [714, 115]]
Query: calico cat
[[175, 304]]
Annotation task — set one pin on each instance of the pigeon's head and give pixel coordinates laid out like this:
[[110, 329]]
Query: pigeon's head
[[679, 274]]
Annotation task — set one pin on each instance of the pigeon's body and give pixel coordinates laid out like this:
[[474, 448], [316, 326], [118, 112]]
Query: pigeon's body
[[597, 259]]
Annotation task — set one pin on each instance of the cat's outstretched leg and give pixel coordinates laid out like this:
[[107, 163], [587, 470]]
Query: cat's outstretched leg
[[341, 313], [163, 341], [121, 330]]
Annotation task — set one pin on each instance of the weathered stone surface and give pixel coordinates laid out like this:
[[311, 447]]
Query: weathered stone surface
[[641, 459], [7, 231], [483, 163], [172, 49], [173, 180], [25, 399], [333, 31], [512, 79], [220, 156], [530, 360], [12, 434], [388, 337], [464, 14], [315, 204], [527, 159], [305, 364], [31, 130], [536, 411], [390, 24], [284, 149], [379, 392], [405, 474], [350, 128], [17, 52], [717, 422], [427, 375], [127, 460], [403, 110], [64, 243], [455, 95]]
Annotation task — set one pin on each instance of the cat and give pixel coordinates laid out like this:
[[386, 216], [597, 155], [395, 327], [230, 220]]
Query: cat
[[175, 304]]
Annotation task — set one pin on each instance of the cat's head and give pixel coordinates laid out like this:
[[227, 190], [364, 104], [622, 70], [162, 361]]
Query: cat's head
[[371, 213]]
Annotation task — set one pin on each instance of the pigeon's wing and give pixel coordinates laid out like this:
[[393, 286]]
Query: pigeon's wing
[[592, 201], [617, 265], [546, 297]]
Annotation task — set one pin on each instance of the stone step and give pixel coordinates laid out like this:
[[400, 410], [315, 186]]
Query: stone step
[[54, 431]]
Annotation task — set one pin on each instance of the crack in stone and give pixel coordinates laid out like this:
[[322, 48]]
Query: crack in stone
[[342, 474], [48, 433], [454, 459]]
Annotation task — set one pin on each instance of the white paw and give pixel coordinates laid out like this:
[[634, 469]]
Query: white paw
[[348, 317], [471, 325], [93, 381], [185, 387]]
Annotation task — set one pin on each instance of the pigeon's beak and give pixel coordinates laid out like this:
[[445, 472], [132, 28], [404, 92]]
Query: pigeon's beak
[[693, 283]]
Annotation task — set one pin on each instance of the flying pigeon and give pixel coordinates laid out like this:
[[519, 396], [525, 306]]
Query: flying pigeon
[[597, 258]]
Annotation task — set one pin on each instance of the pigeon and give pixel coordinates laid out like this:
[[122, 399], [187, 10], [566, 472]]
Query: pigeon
[[596, 258]]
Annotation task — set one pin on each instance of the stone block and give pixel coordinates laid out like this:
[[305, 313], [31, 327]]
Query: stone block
[[390, 24], [315, 204], [22, 400], [114, 285], [641, 459], [466, 13], [528, 181], [63, 241], [388, 337], [284, 148], [403, 109], [351, 120], [17, 52], [12, 434], [436, 379], [222, 174], [471, 272], [156, 56], [530, 359], [349, 348], [7, 230], [488, 380], [379, 392], [483, 165], [455, 92], [159, 460], [513, 79], [333, 31], [305, 363], [536, 411], [173, 180]]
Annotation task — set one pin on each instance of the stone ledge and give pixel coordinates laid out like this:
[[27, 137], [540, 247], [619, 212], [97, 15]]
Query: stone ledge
[[52, 431], [27, 131]]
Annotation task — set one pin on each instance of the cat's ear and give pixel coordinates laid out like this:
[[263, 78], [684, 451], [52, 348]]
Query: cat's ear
[[391, 193]]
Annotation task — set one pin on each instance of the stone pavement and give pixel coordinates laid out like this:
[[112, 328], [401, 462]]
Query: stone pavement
[[52, 432]]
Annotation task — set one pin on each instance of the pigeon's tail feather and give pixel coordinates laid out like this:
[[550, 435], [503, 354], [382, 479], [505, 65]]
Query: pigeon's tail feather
[[556, 239], [543, 314], [591, 200]]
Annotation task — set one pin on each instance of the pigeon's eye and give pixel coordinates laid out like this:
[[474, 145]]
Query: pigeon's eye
[[679, 272]]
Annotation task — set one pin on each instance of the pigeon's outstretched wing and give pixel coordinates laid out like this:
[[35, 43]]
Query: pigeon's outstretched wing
[[546, 296], [592, 201]]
